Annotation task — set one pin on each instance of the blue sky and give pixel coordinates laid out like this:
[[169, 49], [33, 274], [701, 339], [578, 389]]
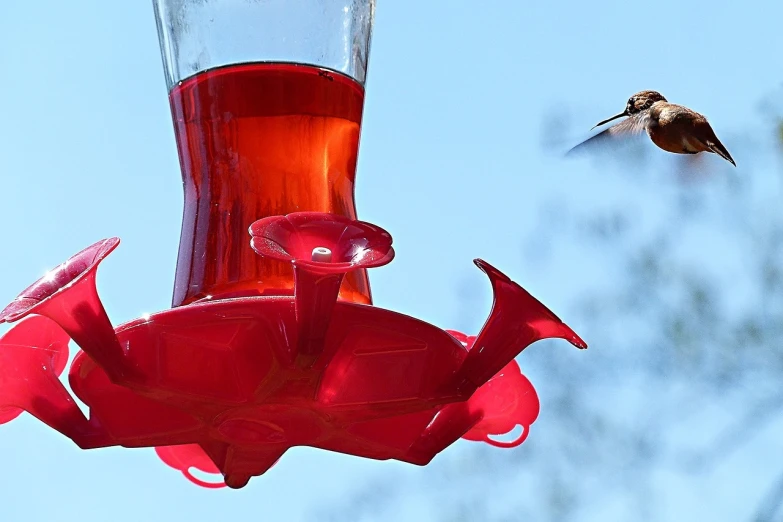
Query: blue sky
[[451, 163]]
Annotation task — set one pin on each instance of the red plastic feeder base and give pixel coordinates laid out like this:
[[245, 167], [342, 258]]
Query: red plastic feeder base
[[229, 385]]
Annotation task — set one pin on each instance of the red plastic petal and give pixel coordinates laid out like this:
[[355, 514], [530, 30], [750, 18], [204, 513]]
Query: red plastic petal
[[187, 456], [29, 351], [505, 401]]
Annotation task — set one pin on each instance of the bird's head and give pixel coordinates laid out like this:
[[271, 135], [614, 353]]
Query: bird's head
[[641, 101]]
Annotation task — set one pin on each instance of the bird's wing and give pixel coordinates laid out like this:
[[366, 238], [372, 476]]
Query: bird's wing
[[631, 126]]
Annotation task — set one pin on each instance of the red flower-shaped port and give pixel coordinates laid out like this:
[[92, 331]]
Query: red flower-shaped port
[[68, 296], [322, 243], [322, 248], [78, 267], [517, 320]]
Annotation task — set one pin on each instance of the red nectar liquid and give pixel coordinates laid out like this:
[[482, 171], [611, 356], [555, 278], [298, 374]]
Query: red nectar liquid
[[256, 140]]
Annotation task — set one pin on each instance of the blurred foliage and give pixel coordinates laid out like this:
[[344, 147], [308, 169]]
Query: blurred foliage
[[674, 333]]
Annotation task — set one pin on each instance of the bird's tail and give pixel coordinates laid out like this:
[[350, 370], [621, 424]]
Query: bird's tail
[[717, 147]]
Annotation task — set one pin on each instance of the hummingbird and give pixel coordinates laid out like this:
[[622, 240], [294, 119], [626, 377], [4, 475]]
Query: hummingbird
[[671, 127]]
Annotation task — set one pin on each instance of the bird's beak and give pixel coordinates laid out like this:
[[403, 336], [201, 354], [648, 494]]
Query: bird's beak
[[624, 113]]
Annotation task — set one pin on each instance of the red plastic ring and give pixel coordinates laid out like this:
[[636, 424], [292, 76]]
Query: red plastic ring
[[203, 484], [513, 444]]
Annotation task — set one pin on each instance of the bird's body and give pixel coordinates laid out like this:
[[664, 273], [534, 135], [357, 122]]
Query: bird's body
[[671, 127]]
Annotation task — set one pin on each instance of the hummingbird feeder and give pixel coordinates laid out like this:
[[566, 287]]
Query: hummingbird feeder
[[272, 340]]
